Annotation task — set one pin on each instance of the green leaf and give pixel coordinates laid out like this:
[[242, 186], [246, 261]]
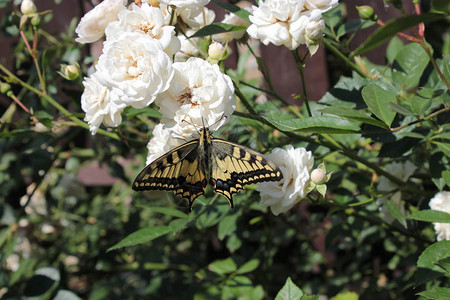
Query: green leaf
[[436, 293], [223, 266], [323, 124], [151, 112], [249, 266], [240, 12], [353, 25], [395, 45], [346, 295], [227, 226], [409, 65], [400, 109], [168, 211], [446, 176], [378, 99], [445, 264], [43, 283], [391, 28], [25, 269], [216, 28], [350, 113], [289, 291], [444, 147], [428, 261], [179, 224], [142, 236], [442, 6], [429, 215], [395, 212], [420, 105]]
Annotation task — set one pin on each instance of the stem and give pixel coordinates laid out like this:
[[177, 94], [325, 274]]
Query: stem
[[433, 62], [422, 119], [261, 69], [299, 64], [24, 108], [55, 104], [36, 63], [344, 58]]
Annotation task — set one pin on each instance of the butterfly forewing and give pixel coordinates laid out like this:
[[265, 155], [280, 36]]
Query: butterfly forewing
[[233, 166], [178, 171]]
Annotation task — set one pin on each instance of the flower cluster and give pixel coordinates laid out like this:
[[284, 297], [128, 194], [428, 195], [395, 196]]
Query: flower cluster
[[144, 61], [290, 22], [136, 67]]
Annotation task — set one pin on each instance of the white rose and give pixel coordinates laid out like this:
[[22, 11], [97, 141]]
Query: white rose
[[199, 94], [196, 17], [296, 165], [232, 35], [145, 20], [398, 169], [323, 5], [100, 104], [136, 67], [161, 143], [441, 202], [272, 22], [92, 25], [185, 3], [189, 47]]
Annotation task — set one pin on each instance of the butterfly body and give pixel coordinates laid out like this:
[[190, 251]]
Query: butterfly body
[[187, 169]]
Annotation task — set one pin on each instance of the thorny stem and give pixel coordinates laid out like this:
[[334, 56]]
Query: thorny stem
[[24, 108], [43, 95]]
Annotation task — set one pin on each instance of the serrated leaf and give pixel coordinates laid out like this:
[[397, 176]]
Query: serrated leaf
[[240, 12], [289, 291], [378, 99], [429, 215], [216, 28], [249, 266], [436, 293], [395, 212], [223, 266], [352, 114], [324, 124], [391, 28], [142, 236]]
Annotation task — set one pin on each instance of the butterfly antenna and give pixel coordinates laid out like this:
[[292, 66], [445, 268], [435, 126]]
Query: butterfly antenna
[[192, 123]]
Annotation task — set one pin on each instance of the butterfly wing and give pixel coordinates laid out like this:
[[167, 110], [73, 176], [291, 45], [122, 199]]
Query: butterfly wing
[[179, 170], [233, 166]]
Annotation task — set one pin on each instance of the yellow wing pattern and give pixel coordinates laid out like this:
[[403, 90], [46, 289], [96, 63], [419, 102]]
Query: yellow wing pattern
[[178, 171], [233, 166]]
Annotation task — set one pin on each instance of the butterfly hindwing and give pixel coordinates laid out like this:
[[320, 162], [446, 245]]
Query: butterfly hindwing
[[233, 166], [178, 170]]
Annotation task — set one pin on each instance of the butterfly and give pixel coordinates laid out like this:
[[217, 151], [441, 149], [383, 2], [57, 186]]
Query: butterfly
[[187, 169]]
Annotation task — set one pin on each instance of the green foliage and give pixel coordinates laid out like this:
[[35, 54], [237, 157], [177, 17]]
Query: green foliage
[[366, 233]]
